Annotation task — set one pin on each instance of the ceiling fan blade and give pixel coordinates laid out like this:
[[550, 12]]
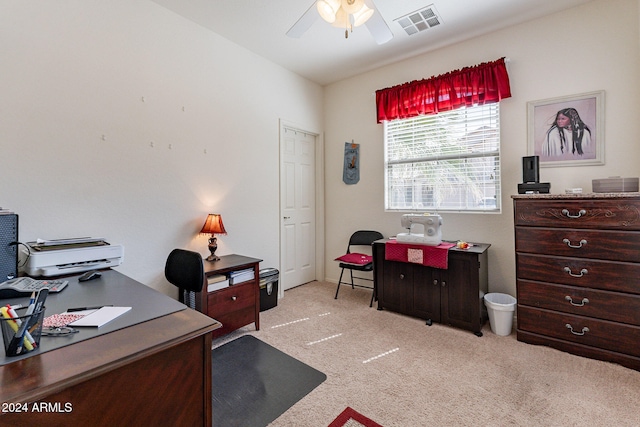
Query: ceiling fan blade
[[377, 25], [304, 23]]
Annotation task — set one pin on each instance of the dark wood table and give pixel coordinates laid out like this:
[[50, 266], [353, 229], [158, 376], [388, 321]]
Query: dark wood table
[[148, 372]]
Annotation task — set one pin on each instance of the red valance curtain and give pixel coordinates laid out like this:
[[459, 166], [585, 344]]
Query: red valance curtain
[[481, 84]]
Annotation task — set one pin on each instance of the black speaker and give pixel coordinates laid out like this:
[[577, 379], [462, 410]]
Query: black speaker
[[8, 246], [530, 169]]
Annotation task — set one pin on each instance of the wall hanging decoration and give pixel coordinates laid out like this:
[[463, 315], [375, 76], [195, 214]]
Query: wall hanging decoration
[[567, 131], [351, 169]]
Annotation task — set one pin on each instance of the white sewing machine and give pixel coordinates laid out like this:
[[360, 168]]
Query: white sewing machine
[[424, 229]]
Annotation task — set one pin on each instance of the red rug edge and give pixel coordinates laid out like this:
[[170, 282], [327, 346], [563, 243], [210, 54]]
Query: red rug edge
[[350, 413]]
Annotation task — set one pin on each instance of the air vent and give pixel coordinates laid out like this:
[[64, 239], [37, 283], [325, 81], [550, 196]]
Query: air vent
[[420, 20]]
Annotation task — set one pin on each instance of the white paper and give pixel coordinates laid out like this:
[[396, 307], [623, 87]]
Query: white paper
[[100, 317]]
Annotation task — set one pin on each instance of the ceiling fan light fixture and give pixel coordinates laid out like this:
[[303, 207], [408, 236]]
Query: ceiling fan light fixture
[[362, 16], [342, 19], [351, 6], [328, 9]]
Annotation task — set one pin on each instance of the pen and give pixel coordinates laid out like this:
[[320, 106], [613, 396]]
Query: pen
[[32, 304], [70, 310]]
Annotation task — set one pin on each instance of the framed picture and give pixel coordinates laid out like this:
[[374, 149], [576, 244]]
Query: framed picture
[[567, 131]]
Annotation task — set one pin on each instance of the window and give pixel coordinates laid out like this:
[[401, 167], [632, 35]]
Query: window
[[444, 162]]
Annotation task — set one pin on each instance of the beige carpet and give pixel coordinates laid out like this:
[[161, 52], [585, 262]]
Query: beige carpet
[[399, 372]]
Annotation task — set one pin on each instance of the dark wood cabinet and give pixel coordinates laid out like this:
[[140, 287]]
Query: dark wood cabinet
[[577, 269], [453, 296], [234, 306]]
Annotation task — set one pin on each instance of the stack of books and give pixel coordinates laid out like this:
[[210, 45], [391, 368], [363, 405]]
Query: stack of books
[[216, 282], [241, 276]]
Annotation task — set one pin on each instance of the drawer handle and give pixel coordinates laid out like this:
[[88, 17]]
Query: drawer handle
[[233, 298], [401, 276], [582, 303], [582, 272], [568, 242], [435, 282], [566, 213], [584, 330]]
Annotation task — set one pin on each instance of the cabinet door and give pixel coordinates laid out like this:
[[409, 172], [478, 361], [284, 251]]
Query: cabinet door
[[396, 291], [460, 296], [426, 293]]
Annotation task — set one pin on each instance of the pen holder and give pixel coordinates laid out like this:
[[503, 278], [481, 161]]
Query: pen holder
[[14, 345]]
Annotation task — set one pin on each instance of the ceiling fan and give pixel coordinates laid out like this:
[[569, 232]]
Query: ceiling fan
[[346, 14]]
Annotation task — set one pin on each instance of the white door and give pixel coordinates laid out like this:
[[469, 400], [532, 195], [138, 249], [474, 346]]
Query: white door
[[297, 207]]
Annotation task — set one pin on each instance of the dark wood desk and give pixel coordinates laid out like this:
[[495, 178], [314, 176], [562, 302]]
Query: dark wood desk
[[234, 306], [135, 375]]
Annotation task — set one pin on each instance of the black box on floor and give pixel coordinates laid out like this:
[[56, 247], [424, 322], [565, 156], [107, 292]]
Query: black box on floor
[[268, 288]]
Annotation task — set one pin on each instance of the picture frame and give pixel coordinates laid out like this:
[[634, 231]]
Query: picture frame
[[554, 144]]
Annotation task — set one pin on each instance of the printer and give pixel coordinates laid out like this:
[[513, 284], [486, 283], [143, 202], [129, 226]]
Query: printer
[[57, 257]]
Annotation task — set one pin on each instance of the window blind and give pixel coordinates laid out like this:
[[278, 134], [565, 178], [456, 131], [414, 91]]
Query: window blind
[[446, 161]]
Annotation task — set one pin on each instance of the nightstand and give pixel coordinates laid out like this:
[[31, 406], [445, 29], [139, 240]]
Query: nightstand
[[234, 306]]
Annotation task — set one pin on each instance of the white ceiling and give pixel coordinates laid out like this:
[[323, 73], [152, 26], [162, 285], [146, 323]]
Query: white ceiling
[[323, 55]]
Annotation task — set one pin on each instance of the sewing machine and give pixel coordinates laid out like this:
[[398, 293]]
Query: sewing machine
[[424, 229]]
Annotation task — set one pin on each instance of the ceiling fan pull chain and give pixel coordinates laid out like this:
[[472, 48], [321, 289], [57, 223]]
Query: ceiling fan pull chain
[[346, 31]]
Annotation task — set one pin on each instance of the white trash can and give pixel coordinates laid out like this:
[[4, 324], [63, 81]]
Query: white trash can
[[500, 308]]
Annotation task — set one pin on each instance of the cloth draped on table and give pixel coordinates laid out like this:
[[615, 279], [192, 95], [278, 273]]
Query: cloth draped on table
[[430, 256]]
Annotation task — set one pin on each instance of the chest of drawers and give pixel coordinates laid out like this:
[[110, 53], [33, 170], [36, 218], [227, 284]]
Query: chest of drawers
[[578, 274]]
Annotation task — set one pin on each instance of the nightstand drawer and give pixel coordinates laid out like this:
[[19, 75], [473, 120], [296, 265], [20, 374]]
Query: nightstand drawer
[[231, 298], [581, 243], [603, 334], [621, 214], [589, 273], [605, 305]]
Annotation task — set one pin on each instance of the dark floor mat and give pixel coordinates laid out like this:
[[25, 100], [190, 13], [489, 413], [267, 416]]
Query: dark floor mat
[[254, 383]]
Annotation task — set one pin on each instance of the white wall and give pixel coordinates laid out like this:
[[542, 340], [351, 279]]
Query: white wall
[[588, 48], [75, 70], [122, 120]]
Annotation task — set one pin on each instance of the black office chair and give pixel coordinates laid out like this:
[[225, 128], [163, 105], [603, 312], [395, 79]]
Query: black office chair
[[359, 238], [185, 270]]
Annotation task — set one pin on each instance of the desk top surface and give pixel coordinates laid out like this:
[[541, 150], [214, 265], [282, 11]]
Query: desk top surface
[[112, 288], [126, 339]]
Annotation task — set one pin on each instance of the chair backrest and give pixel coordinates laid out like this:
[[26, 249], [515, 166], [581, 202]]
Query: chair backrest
[[363, 238], [185, 270]]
